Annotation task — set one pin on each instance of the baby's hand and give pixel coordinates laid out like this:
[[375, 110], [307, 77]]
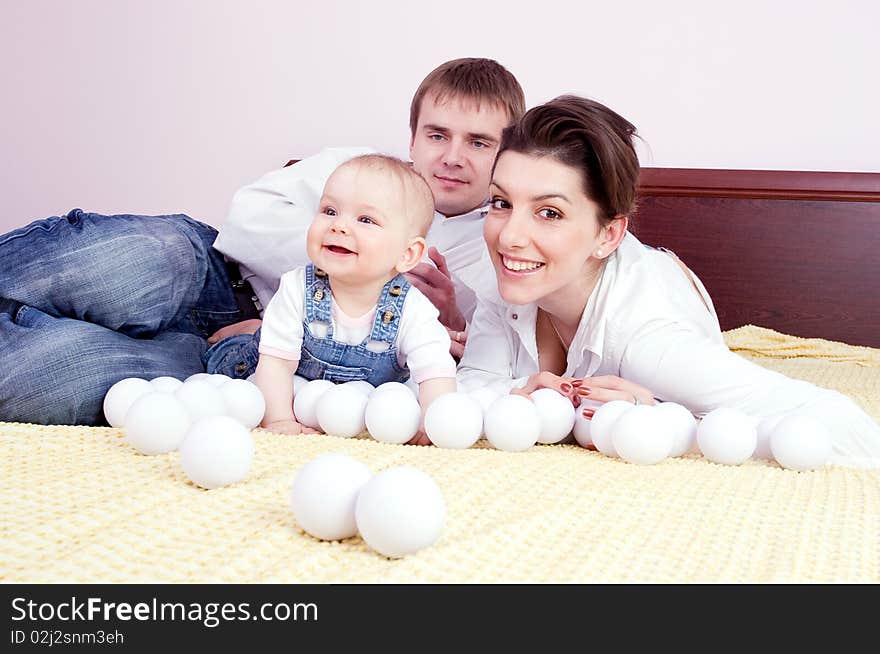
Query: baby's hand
[[285, 427], [421, 438]]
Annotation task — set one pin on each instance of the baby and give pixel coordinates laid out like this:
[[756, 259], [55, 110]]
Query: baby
[[350, 314]]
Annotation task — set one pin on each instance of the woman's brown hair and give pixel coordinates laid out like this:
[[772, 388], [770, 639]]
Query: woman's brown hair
[[589, 137]]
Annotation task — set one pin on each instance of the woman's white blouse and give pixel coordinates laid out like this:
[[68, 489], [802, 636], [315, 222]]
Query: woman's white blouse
[[644, 322]]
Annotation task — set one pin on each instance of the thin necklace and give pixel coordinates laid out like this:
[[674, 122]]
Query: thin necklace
[[565, 345]]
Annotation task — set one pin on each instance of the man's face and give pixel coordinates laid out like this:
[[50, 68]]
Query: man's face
[[453, 148]]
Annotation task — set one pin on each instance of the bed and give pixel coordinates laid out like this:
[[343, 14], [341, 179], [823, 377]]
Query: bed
[[790, 261], [796, 252]]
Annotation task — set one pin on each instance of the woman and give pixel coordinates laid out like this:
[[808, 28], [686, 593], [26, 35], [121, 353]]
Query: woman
[[581, 305]]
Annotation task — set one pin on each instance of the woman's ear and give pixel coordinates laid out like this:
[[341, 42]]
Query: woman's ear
[[411, 255], [610, 236]]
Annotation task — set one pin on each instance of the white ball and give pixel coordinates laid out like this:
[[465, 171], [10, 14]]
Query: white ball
[[364, 387], [218, 380], [512, 423], [602, 422], [400, 511], [581, 430], [801, 443], [244, 402], [765, 431], [727, 436], [156, 423], [639, 436], [484, 396], [305, 402], [454, 421], [412, 386], [340, 411], [393, 387], [324, 493], [393, 417], [199, 375], [166, 384], [582, 425], [217, 451], [556, 413], [681, 423], [298, 383], [201, 398], [121, 396]]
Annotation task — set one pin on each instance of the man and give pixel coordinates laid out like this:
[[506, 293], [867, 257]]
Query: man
[[456, 118], [87, 300]]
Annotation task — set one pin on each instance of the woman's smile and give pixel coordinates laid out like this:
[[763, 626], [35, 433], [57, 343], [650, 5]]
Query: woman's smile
[[515, 265]]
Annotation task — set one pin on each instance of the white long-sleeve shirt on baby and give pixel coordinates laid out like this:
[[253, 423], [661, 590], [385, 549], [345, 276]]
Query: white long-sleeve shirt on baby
[[422, 342]]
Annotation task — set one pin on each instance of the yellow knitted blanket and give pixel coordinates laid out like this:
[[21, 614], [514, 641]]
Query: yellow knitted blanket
[[79, 505]]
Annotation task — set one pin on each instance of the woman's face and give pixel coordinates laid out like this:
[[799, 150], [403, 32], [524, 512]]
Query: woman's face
[[542, 230]]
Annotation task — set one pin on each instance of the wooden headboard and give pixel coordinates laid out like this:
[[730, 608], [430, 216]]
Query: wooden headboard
[[798, 252]]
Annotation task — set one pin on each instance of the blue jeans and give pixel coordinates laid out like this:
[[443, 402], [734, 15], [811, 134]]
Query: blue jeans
[[87, 300]]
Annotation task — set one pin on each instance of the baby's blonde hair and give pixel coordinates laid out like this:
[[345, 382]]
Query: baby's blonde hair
[[418, 200]]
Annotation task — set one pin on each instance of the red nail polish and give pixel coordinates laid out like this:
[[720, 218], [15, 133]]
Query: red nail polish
[[583, 390], [588, 413], [577, 382], [565, 387]]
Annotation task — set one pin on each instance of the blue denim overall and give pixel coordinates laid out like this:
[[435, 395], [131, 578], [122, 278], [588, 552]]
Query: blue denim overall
[[324, 358]]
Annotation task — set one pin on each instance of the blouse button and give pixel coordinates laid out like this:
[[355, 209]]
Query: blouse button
[[514, 316]]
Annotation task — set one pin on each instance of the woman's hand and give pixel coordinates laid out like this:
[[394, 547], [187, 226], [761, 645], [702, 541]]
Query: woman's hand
[[599, 389], [610, 387], [564, 385]]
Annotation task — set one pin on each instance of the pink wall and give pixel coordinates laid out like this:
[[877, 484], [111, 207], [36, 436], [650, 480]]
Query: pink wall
[[170, 106], [155, 107], [141, 107]]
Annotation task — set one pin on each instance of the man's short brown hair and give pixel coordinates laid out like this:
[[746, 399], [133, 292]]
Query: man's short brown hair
[[477, 80]]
